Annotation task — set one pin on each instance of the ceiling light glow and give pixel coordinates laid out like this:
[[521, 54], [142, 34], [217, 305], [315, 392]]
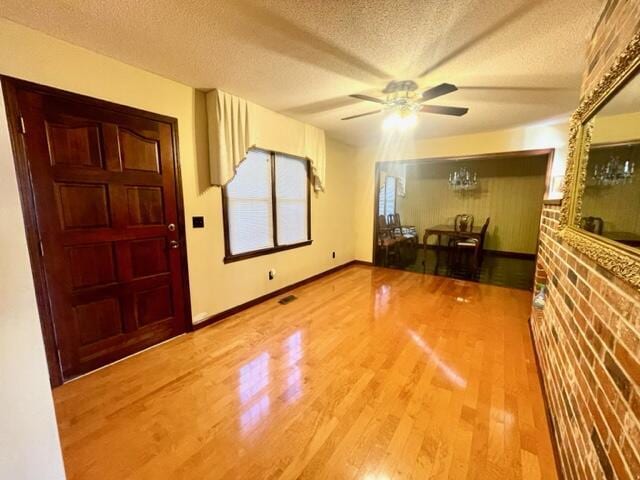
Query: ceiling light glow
[[400, 120], [391, 121]]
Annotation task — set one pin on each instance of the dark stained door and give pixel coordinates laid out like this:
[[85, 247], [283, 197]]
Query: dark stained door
[[105, 197]]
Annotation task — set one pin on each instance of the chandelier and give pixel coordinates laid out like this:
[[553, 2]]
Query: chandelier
[[462, 180], [614, 172]]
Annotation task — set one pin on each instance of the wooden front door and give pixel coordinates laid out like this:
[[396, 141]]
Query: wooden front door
[[104, 194]]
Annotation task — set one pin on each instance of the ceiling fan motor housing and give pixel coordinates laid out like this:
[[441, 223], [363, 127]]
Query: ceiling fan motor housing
[[400, 86]]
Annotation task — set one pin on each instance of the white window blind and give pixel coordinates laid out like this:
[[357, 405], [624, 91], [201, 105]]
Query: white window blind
[[249, 204], [387, 197], [291, 199]]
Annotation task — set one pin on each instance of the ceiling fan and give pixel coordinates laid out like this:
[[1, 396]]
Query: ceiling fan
[[404, 104]]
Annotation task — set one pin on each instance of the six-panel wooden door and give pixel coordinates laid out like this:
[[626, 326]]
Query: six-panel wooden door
[[104, 190]]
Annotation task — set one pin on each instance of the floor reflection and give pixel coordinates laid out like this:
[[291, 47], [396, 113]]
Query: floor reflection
[[254, 377], [256, 412], [494, 270], [502, 416], [463, 300], [293, 347], [374, 476], [381, 302], [294, 352], [451, 374]]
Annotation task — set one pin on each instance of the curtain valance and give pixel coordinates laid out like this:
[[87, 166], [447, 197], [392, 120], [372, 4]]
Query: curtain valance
[[236, 125]]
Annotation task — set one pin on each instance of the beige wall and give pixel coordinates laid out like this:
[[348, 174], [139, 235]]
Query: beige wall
[[510, 192], [29, 445], [616, 128], [214, 285], [617, 206], [27, 414], [552, 135]]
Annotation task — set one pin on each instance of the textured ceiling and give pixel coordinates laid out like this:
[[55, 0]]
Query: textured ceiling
[[515, 61]]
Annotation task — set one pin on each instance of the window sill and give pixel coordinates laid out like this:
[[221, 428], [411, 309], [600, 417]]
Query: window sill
[[265, 251]]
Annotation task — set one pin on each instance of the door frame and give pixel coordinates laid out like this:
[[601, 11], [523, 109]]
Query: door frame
[[10, 88]]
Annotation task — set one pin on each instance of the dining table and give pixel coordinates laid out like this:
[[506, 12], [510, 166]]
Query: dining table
[[448, 230]]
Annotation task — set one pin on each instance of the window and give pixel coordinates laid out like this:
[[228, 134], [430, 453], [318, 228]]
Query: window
[[387, 197], [266, 205], [249, 205], [292, 190]]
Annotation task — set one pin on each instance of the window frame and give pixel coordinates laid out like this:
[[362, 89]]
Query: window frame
[[230, 257]]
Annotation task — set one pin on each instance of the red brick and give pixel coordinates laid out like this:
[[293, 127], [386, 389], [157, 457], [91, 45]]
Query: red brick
[[622, 473], [628, 362]]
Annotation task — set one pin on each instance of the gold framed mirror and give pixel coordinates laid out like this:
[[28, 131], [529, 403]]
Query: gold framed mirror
[[600, 214]]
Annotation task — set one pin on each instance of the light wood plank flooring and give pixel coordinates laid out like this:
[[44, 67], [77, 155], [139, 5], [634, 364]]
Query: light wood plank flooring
[[371, 374]]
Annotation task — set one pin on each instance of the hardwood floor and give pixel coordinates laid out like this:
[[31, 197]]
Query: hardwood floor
[[370, 374]]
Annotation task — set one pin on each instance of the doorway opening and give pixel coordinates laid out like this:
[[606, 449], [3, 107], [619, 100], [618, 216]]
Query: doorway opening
[[473, 217]]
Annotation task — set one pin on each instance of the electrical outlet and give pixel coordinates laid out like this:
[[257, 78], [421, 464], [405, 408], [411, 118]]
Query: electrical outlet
[[333, 254], [272, 274]]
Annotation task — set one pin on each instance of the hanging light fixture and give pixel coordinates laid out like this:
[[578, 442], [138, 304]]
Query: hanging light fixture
[[401, 118], [614, 172], [462, 180]]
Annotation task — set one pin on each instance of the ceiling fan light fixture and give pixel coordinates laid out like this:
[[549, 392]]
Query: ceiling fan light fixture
[[400, 119], [391, 121], [402, 104], [408, 121]]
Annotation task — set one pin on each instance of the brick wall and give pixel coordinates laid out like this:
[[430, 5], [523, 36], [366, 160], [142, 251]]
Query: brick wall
[[588, 344], [588, 335], [619, 21]]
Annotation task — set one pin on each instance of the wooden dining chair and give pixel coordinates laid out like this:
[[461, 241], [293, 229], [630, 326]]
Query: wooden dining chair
[[393, 224], [405, 231], [382, 223], [386, 239], [408, 249], [592, 224], [475, 245], [463, 222]]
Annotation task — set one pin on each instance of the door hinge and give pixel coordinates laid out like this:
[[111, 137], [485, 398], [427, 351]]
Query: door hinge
[[23, 129]]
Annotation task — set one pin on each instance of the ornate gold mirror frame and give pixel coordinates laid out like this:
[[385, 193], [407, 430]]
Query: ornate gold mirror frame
[[620, 260]]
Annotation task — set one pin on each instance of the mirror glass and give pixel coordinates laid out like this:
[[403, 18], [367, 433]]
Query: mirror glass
[[611, 199]]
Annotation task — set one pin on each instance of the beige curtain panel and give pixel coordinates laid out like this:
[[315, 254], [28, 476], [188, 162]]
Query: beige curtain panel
[[236, 125]]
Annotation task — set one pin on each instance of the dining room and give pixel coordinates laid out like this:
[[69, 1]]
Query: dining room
[[473, 217]]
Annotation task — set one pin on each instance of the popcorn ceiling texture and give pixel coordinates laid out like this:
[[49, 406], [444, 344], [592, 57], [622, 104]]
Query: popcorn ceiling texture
[[519, 61], [588, 335]]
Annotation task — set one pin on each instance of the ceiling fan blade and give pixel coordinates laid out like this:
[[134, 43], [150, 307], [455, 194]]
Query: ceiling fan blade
[[440, 110], [516, 89], [367, 98], [361, 115], [438, 91]]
